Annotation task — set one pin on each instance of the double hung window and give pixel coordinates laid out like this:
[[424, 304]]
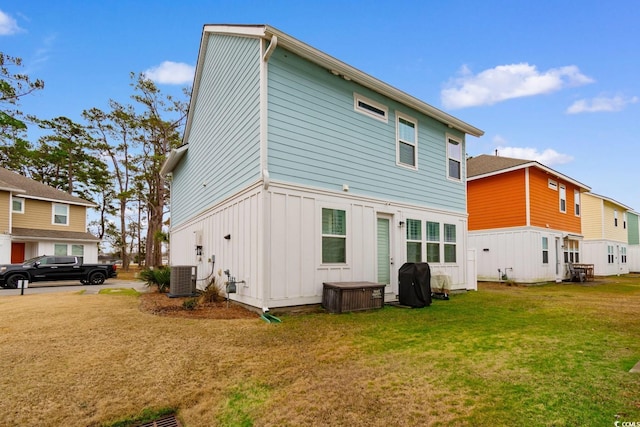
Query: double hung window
[[407, 141], [433, 241], [334, 236], [454, 155], [60, 214], [449, 243], [414, 240], [545, 250]]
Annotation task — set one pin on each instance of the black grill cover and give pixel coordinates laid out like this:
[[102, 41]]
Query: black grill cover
[[415, 284]]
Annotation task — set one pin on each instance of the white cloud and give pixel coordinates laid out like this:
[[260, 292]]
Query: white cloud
[[601, 103], [174, 73], [548, 157], [506, 82], [8, 25]]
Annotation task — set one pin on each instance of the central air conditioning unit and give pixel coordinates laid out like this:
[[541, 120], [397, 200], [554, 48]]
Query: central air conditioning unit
[[182, 282]]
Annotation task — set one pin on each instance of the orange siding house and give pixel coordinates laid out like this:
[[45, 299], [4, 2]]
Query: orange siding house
[[524, 219]]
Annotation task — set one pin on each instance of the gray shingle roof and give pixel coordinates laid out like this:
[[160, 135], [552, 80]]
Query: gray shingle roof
[[29, 233], [27, 187], [485, 163]]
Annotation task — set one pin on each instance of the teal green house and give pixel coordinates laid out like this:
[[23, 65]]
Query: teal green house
[[298, 169], [633, 241]]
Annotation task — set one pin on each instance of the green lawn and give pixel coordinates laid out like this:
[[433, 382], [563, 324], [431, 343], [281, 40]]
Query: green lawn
[[553, 355]]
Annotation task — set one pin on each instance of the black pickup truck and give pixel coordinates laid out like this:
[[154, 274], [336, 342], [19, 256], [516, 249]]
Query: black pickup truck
[[49, 268]]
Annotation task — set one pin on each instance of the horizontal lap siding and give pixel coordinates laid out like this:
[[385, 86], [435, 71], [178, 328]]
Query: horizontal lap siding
[[224, 142], [497, 201], [317, 139], [5, 209], [38, 214], [545, 203], [591, 217], [611, 230]]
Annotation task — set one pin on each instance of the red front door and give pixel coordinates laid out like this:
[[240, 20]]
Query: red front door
[[17, 253]]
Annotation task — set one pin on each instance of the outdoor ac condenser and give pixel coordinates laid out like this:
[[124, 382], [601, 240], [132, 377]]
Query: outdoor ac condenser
[[182, 282]]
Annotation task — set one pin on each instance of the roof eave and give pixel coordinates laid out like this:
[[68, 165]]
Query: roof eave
[[528, 165], [330, 63]]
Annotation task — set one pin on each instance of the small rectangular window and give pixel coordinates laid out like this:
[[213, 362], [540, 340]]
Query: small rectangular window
[[615, 217], [545, 250], [433, 241], [370, 108], [553, 185], [563, 199], [576, 201], [77, 250], [17, 205], [623, 255], [407, 141], [610, 254], [334, 236], [60, 214], [414, 240], [454, 154], [624, 220]]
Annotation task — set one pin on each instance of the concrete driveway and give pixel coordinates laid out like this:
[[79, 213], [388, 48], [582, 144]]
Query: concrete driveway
[[74, 286]]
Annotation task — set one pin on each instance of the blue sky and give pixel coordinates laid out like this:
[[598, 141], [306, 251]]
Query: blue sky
[[555, 81]]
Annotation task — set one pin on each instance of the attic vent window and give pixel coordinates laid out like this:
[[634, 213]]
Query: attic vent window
[[553, 185], [370, 108]]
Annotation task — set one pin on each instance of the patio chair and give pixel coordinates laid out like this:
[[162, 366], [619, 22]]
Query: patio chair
[[577, 274]]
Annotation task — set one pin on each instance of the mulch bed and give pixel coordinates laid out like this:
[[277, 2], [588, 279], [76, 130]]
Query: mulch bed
[[160, 304]]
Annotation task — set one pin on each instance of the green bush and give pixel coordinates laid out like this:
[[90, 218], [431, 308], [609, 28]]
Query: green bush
[[159, 277], [190, 304]]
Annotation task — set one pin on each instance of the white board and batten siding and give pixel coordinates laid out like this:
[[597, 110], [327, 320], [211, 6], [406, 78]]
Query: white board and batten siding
[[596, 252], [634, 258], [518, 251], [283, 250]]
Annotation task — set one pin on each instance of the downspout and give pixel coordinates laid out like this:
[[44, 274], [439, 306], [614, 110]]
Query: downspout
[[527, 197], [264, 168]]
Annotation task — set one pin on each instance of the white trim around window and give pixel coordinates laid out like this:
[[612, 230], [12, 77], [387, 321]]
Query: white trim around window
[[59, 214], [406, 141], [17, 202], [576, 202], [454, 158], [333, 240], [563, 198], [370, 108]]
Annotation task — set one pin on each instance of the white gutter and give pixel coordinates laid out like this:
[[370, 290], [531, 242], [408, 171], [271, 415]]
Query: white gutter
[[174, 157]]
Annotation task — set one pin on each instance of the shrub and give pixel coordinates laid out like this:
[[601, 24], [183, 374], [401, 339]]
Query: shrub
[[214, 291], [159, 277], [190, 304]]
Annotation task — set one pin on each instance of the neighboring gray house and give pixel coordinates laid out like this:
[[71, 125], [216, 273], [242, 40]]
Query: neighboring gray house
[[298, 169]]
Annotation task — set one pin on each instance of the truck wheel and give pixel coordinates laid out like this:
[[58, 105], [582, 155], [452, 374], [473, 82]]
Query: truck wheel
[[97, 278], [12, 281]]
